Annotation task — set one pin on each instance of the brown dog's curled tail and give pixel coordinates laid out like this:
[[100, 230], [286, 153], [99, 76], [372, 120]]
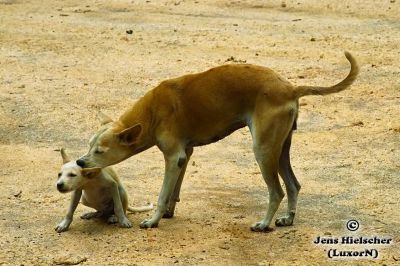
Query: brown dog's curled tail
[[301, 91]]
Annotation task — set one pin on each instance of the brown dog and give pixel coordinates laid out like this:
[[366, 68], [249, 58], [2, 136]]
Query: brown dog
[[202, 108]]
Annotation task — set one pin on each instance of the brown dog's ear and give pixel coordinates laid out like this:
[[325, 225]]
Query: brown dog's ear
[[91, 172], [103, 118], [64, 156], [129, 136]]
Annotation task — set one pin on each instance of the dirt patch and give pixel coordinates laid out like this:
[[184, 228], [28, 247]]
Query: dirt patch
[[62, 61]]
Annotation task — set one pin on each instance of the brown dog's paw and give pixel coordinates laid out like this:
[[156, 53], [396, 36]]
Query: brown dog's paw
[[285, 220], [168, 214], [148, 224], [260, 227]]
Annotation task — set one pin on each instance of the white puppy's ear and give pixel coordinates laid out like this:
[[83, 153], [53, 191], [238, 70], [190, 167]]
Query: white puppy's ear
[[103, 118], [91, 172], [129, 136], [64, 156]]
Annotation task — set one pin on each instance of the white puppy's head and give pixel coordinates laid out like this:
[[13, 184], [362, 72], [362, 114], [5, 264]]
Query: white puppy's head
[[72, 176]]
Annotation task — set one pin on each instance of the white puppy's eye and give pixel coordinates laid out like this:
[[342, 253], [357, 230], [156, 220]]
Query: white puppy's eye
[[71, 175], [59, 174]]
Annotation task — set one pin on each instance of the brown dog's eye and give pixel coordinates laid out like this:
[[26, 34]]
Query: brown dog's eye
[[71, 175], [98, 152]]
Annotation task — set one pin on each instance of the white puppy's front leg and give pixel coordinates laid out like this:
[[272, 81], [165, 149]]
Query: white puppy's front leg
[[172, 171], [118, 209], [64, 225]]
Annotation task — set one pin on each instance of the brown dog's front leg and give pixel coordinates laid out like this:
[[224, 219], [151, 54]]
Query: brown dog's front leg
[[175, 195], [172, 172]]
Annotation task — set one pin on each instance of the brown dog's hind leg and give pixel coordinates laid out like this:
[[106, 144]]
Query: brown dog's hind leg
[[291, 183], [269, 129], [270, 176], [175, 195]]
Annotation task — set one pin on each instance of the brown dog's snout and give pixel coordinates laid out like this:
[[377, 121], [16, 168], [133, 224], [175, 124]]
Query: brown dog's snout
[[80, 162]]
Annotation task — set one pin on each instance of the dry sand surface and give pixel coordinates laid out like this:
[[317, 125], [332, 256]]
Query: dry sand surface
[[62, 61]]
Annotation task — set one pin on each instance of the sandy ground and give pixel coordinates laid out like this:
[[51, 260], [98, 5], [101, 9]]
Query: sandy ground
[[62, 61]]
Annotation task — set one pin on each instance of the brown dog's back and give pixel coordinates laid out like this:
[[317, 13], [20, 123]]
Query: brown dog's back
[[232, 87]]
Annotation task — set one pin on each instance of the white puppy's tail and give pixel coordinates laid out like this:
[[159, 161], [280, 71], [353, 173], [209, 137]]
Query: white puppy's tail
[[141, 208]]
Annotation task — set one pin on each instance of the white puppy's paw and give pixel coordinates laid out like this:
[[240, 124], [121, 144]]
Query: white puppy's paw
[[112, 219], [63, 226], [148, 224]]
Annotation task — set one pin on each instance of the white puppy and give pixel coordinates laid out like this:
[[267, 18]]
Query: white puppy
[[99, 189]]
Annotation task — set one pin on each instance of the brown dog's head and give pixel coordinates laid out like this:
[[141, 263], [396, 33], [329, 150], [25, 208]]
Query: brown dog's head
[[72, 176], [112, 144]]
